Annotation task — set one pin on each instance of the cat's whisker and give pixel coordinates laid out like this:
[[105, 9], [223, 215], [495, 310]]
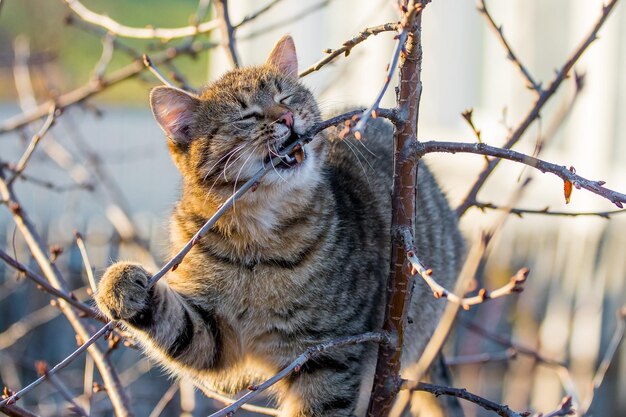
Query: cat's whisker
[[362, 142], [237, 148], [252, 152], [273, 166], [226, 165], [351, 147]]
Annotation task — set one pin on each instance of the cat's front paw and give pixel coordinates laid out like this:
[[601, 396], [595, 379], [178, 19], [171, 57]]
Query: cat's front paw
[[123, 291]]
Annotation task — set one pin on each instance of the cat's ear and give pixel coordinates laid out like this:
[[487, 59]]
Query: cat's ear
[[284, 57], [174, 109]]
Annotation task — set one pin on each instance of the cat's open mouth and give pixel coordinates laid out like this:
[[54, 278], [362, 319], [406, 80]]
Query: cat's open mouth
[[294, 158]]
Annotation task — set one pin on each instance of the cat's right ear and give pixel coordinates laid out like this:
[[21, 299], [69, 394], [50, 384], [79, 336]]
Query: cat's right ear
[[174, 110]]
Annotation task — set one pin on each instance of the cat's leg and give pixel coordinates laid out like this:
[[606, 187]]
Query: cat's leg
[[171, 327], [324, 387]]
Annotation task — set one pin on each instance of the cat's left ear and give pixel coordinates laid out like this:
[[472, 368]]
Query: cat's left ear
[[284, 57], [174, 110]]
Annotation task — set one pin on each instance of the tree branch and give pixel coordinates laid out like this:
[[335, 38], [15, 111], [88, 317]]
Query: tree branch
[[347, 46], [399, 285], [560, 171], [534, 112], [296, 365], [228, 32], [531, 83], [547, 212], [140, 33], [437, 390]]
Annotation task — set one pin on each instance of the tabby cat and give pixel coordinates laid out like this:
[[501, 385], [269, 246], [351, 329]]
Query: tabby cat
[[302, 259]]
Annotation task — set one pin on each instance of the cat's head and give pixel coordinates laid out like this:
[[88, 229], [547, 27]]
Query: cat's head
[[230, 130]]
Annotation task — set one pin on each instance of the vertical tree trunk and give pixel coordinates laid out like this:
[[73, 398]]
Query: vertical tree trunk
[[400, 284]]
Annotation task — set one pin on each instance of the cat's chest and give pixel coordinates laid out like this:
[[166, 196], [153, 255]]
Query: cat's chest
[[262, 302]]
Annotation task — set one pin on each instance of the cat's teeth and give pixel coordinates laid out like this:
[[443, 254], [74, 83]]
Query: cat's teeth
[[299, 155]]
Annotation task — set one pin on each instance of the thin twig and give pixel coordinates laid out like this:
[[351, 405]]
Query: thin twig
[[296, 365], [43, 284], [535, 111], [547, 212], [256, 14], [507, 342], [165, 399], [515, 284], [607, 359], [15, 411], [228, 32], [108, 47], [48, 184], [154, 70], [347, 46], [371, 110], [25, 325], [69, 359], [437, 390], [42, 370], [249, 407], [481, 358], [140, 33], [532, 84], [87, 264], [560, 171], [21, 165]]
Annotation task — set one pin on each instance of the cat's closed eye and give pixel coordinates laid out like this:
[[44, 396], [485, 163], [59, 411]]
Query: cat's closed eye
[[251, 116], [286, 99]]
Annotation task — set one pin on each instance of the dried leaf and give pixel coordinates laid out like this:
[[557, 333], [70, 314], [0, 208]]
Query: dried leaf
[[567, 190]]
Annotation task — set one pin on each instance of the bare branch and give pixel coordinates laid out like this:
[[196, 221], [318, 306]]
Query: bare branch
[[547, 212], [534, 112], [21, 328], [108, 47], [515, 284], [256, 14], [21, 165], [165, 399], [140, 33], [154, 70], [486, 357], [15, 411], [228, 32], [69, 359], [598, 378], [531, 83], [347, 46], [371, 110], [83, 253], [507, 342], [296, 365], [45, 286], [437, 390], [560, 171], [249, 407], [42, 370]]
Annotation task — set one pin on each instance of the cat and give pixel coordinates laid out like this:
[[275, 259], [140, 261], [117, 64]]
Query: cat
[[302, 259]]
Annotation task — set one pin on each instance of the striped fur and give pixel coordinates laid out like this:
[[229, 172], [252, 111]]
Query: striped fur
[[301, 260]]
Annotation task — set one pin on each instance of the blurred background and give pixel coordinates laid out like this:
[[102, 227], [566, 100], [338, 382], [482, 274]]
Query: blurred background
[[103, 170]]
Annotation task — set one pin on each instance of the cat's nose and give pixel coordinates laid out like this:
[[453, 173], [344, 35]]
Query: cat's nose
[[286, 118]]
